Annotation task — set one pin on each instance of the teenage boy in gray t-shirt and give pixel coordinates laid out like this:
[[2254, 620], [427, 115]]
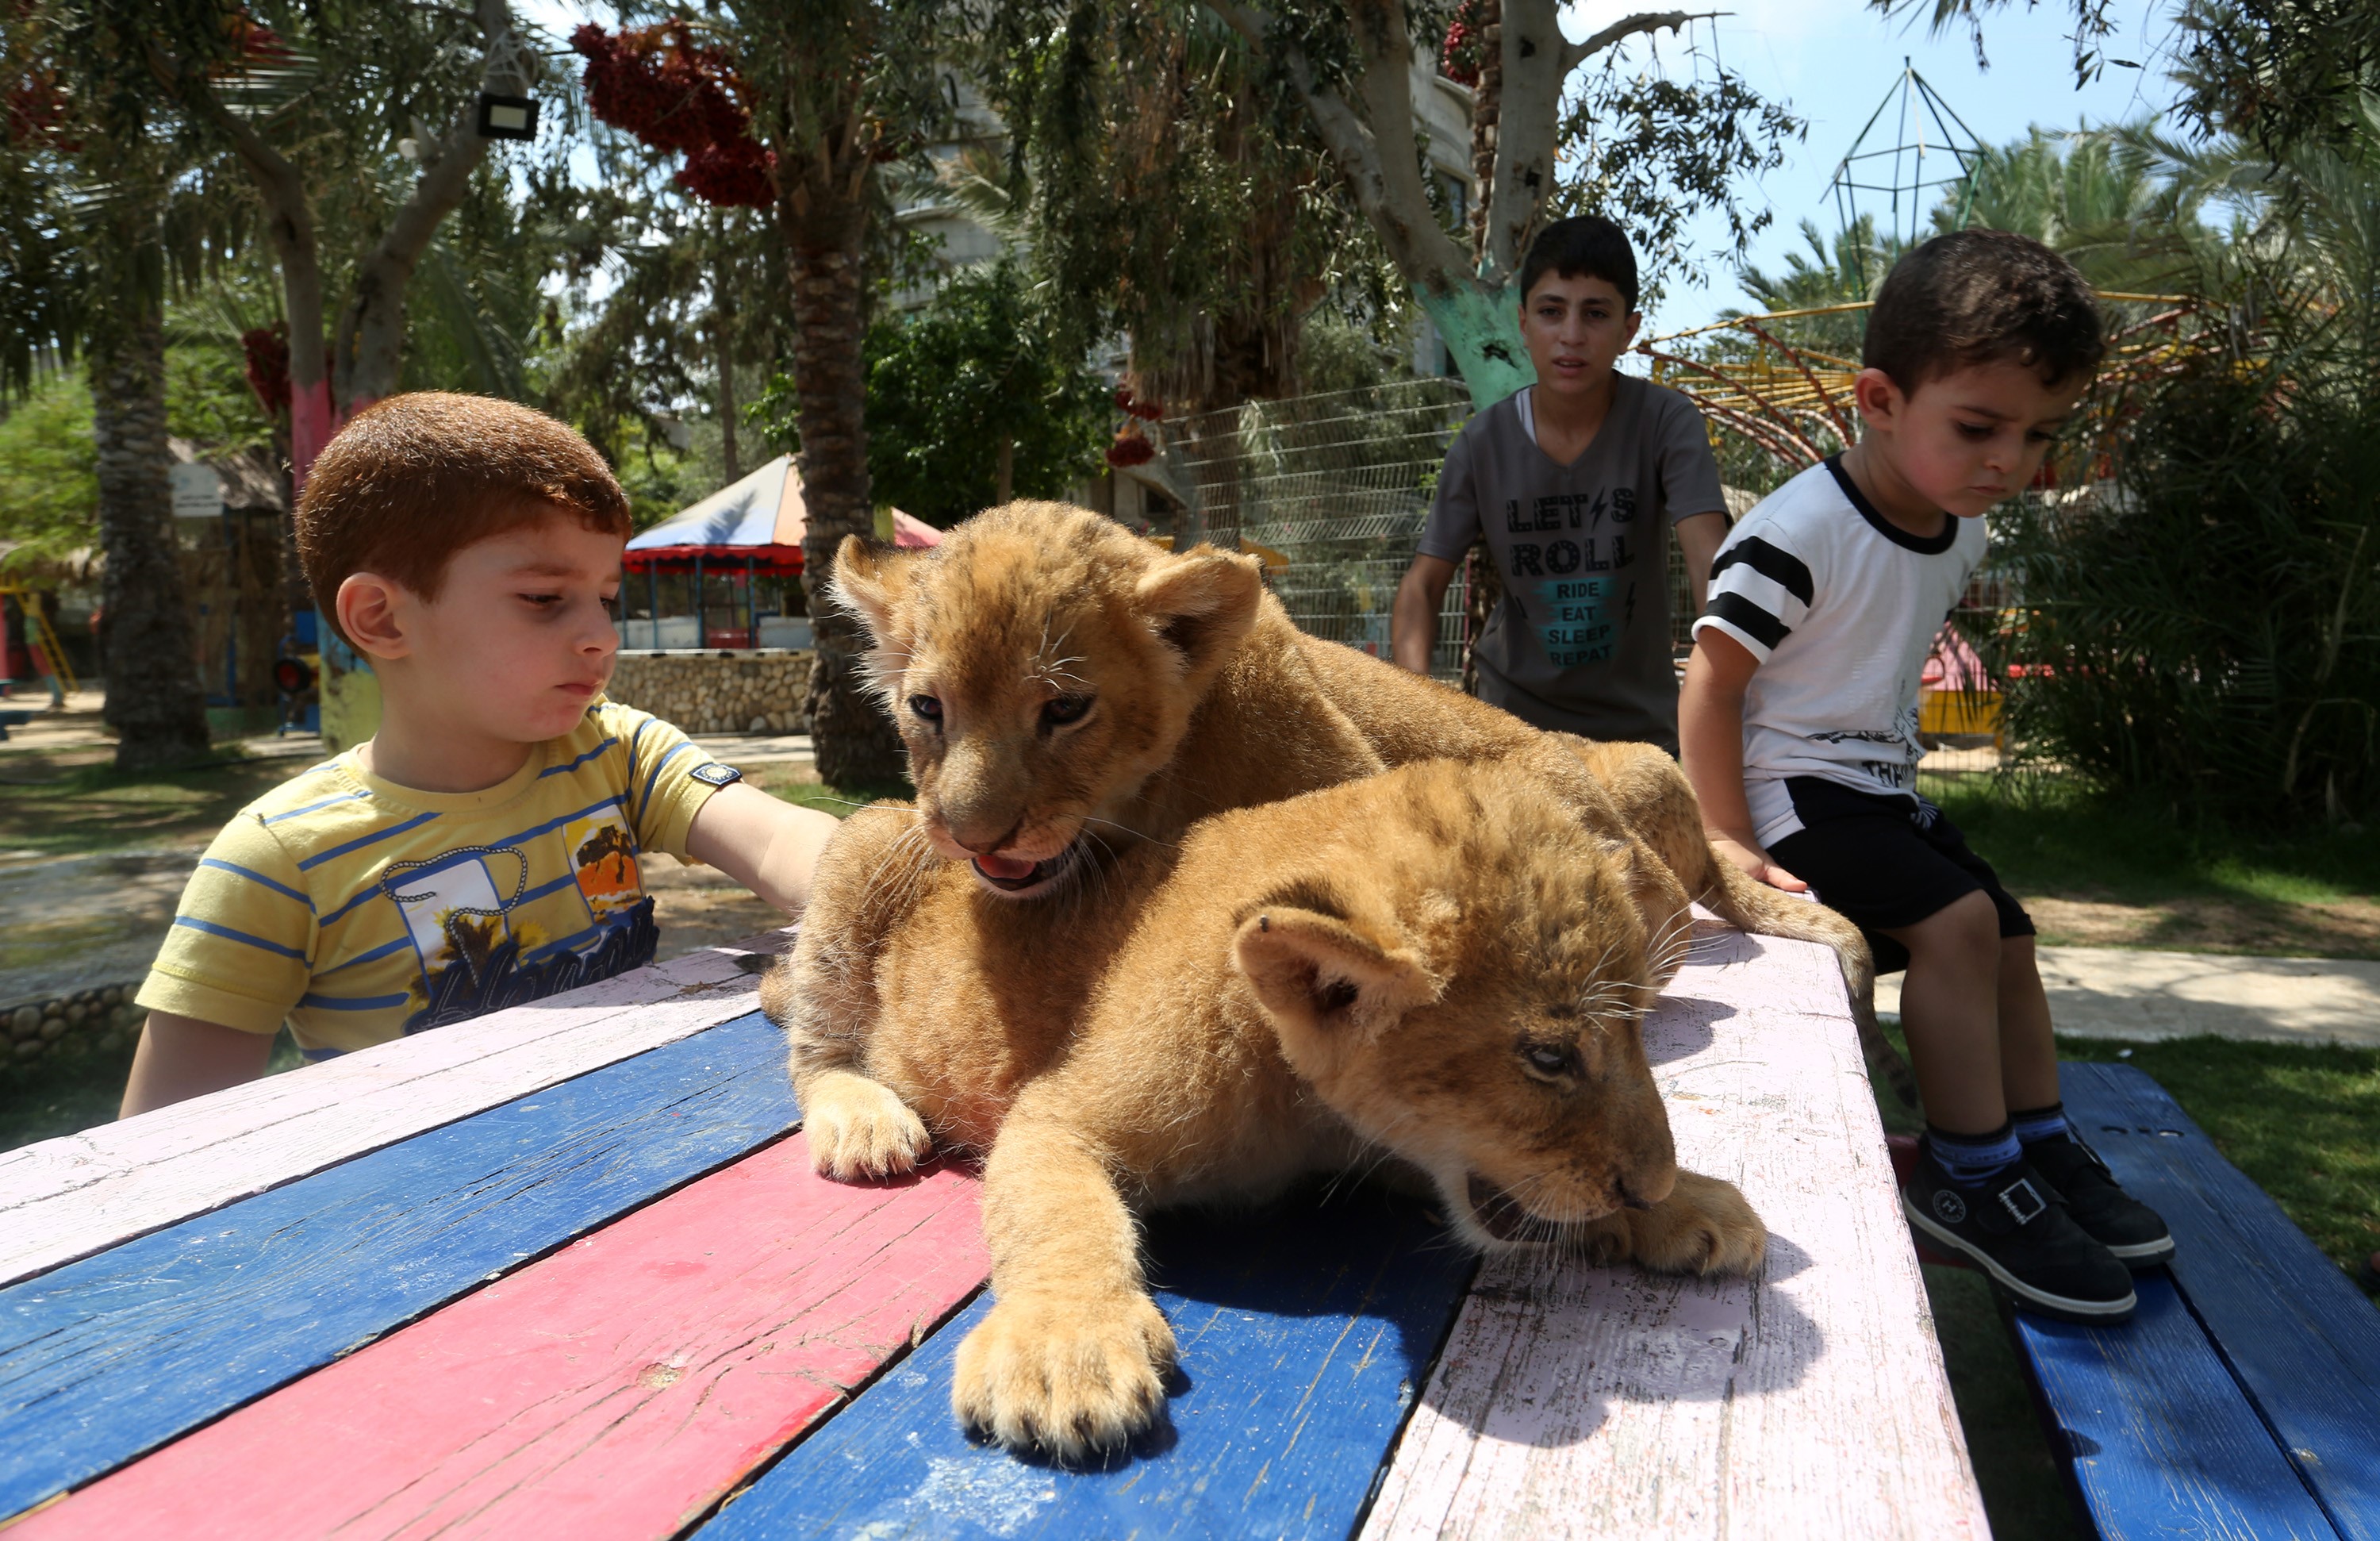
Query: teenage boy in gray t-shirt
[[1574, 484]]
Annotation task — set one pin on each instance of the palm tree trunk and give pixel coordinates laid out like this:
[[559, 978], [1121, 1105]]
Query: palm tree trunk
[[153, 699], [730, 460], [855, 742]]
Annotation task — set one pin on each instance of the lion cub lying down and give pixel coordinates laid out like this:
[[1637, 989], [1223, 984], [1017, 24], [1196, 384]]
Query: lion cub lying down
[[1442, 964]]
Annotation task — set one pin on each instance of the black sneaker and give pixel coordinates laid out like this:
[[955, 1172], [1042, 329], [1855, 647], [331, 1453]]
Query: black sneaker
[[2016, 1229], [2114, 1218]]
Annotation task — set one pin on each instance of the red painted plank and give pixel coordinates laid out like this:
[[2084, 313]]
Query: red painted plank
[[613, 1390]]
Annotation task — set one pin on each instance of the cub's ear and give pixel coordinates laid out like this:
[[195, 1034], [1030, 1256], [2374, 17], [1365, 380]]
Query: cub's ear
[[861, 585], [1202, 603], [1318, 971]]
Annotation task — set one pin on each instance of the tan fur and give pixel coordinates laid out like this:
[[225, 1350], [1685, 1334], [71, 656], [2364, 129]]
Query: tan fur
[[1205, 697], [1313, 986]]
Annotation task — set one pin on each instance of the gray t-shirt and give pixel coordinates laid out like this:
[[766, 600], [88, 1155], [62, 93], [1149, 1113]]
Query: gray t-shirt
[[1581, 643]]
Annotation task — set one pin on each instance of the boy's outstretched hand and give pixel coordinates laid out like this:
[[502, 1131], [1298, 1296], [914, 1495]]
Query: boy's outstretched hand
[[768, 845]]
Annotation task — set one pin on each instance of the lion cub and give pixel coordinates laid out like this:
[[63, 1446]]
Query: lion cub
[[1442, 964]]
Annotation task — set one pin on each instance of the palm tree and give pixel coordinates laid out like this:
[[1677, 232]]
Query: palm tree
[[155, 700], [104, 214]]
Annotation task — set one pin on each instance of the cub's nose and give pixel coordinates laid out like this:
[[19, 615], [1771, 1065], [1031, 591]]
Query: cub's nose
[[986, 847]]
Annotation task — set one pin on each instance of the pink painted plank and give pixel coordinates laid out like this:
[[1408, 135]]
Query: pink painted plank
[[66, 1198], [1573, 1401], [611, 1391]]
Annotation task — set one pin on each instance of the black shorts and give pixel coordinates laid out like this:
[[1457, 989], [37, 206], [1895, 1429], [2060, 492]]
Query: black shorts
[[1883, 863]]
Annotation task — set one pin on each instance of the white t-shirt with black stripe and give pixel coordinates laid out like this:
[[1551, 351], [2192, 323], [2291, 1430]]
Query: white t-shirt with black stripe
[[1841, 607]]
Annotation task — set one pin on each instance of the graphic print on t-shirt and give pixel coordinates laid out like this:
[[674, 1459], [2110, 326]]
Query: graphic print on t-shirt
[[603, 855], [475, 958], [1581, 605]]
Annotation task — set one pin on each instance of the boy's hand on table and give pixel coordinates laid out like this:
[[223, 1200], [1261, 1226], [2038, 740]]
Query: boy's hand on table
[[1753, 862], [768, 845]]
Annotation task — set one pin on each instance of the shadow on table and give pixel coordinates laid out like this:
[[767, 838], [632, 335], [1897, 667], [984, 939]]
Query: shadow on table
[[1682, 1026], [1552, 1345]]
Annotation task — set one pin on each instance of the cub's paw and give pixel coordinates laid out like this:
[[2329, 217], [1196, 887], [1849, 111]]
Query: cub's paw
[[1067, 1378], [857, 1129], [1704, 1226]]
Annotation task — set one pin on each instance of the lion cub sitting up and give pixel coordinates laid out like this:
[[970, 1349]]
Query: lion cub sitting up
[[1441, 963]]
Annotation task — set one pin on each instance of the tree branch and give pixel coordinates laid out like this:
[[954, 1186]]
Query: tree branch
[[1537, 61], [1576, 54], [289, 225], [1386, 182], [371, 328]]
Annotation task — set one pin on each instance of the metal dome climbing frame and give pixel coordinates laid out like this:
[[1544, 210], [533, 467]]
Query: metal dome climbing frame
[[1932, 150]]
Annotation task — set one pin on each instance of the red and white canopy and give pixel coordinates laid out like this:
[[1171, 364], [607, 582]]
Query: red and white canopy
[[759, 519]]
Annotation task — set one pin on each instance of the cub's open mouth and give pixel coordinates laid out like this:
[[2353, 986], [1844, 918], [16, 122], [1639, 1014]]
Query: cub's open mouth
[[1010, 876], [1502, 1215]]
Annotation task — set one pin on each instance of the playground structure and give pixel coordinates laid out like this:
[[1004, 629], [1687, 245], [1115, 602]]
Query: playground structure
[[1925, 128], [1790, 397], [40, 634]]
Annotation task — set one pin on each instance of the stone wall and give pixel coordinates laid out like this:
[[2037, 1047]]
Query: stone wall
[[104, 1018], [723, 692]]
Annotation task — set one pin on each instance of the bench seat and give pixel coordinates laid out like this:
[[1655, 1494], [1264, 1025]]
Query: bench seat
[[2244, 1399]]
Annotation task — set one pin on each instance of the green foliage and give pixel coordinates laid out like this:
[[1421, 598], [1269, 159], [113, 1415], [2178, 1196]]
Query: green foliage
[[2283, 74], [49, 472], [1171, 187], [2211, 634], [982, 366], [207, 401], [2207, 632], [1656, 153]]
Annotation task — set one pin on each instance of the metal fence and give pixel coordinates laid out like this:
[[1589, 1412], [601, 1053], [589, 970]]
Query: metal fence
[[1338, 486]]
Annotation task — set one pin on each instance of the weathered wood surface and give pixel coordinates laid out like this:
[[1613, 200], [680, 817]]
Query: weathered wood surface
[[1304, 1331], [2160, 1438], [610, 1392], [1582, 1402], [2301, 1339], [108, 1357], [66, 1198]]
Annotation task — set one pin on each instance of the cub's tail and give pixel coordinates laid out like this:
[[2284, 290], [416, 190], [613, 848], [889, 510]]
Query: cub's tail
[[1749, 904]]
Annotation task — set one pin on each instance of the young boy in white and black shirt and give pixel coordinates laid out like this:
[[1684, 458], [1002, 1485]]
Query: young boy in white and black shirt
[[1799, 726]]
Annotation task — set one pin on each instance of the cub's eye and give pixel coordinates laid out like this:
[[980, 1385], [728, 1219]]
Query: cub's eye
[[927, 706], [1547, 1061], [1063, 709]]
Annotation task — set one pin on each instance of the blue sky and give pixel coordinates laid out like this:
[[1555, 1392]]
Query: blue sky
[[1835, 60]]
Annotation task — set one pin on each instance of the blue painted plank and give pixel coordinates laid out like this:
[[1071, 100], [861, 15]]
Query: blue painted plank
[[110, 1357], [2162, 1442], [1306, 1333], [2301, 1339]]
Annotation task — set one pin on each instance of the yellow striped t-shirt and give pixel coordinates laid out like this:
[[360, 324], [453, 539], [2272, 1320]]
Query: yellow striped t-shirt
[[357, 910]]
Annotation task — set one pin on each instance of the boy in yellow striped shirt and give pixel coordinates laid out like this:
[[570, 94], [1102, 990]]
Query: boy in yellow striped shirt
[[482, 849]]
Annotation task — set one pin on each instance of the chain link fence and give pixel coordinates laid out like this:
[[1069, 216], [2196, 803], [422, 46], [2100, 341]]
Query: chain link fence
[[1334, 488]]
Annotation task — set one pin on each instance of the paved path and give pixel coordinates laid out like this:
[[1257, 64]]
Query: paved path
[[2123, 993]]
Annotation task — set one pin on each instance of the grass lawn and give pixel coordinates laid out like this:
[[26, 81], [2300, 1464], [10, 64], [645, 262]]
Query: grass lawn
[[72, 802], [2096, 874], [2297, 1121]]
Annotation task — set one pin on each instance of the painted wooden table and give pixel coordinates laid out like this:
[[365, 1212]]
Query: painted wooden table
[[564, 1271]]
